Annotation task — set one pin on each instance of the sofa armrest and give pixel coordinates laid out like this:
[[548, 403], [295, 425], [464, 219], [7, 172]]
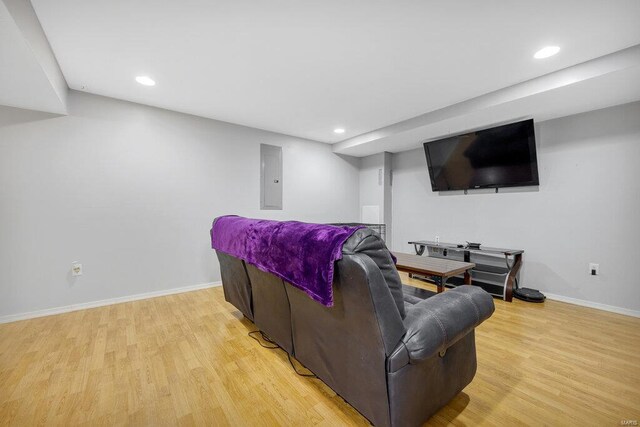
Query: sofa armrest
[[437, 323]]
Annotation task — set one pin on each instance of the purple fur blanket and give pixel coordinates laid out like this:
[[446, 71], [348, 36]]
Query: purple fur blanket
[[300, 253]]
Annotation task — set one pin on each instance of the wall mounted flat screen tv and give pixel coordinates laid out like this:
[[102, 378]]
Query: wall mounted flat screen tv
[[503, 156]]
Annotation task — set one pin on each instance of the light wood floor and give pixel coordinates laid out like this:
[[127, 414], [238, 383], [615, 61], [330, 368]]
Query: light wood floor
[[187, 359]]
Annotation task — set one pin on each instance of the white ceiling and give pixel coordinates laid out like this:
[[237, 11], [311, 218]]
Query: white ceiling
[[590, 94], [599, 83], [305, 67]]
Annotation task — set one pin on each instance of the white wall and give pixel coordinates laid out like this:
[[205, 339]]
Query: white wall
[[376, 192], [130, 191], [371, 190], [388, 195], [34, 79], [586, 209]]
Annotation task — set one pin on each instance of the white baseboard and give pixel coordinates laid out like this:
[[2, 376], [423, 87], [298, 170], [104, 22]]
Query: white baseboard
[[101, 303], [596, 305]]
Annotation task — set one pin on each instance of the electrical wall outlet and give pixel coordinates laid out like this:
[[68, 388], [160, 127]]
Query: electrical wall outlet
[[76, 269], [594, 269]]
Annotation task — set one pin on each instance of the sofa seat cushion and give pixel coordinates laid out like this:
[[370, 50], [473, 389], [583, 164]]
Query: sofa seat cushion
[[413, 295]]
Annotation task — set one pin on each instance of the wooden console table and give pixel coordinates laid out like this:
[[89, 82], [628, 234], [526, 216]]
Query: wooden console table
[[512, 258], [437, 268]]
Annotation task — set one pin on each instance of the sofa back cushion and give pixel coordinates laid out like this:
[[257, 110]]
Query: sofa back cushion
[[368, 242], [236, 285], [271, 311]]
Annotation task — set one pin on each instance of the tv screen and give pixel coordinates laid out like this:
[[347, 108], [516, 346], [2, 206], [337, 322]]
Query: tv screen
[[503, 156]]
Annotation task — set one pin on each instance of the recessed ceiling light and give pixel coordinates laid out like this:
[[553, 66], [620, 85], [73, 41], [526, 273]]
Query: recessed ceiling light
[[338, 130], [145, 80], [546, 52]]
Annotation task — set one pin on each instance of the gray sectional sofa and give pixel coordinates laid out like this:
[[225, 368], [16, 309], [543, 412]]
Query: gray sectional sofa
[[395, 356]]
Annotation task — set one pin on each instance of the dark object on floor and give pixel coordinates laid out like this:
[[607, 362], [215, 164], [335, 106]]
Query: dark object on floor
[[529, 295], [473, 245], [396, 357]]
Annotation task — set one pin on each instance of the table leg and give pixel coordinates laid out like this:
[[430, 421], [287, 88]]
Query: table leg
[[511, 278], [439, 283], [467, 278]]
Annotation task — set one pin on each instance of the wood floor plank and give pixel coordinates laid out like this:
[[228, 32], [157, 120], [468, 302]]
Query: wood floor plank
[[186, 359]]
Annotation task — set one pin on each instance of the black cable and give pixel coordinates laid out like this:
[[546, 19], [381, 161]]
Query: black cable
[[311, 375], [275, 346], [264, 338]]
